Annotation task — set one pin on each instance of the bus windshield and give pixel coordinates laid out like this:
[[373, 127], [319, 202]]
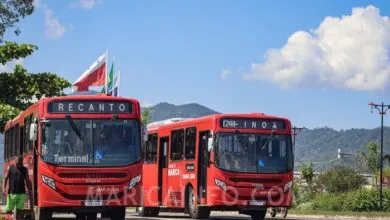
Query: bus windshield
[[91, 142], [254, 153]]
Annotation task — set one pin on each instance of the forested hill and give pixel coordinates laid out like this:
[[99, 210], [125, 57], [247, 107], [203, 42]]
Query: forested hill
[[320, 145], [166, 110]]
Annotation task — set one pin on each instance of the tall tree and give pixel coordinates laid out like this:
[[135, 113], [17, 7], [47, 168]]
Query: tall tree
[[146, 115], [307, 173], [11, 11], [20, 89], [371, 159]]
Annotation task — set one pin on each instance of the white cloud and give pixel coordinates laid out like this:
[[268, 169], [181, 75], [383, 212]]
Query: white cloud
[[225, 73], [53, 27], [86, 4], [9, 67], [349, 52]]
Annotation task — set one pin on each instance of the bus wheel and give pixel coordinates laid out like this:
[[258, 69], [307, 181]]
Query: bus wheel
[[41, 214], [118, 213], [91, 216], [258, 215], [196, 212], [147, 211]]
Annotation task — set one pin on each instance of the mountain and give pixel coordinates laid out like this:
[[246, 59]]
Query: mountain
[[165, 110], [320, 145]]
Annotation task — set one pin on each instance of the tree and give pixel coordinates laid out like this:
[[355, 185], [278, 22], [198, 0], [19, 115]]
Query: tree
[[11, 11], [146, 115], [307, 173], [371, 159], [340, 179], [20, 89]]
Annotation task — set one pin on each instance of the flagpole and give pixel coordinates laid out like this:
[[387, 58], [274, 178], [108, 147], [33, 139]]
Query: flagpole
[[106, 72], [119, 80]]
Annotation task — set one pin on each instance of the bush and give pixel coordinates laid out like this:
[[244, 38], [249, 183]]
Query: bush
[[341, 179], [329, 202], [362, 200], [307, 206]]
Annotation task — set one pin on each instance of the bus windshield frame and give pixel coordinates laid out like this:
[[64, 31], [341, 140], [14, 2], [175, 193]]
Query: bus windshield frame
[[254, 153], [63, 146]]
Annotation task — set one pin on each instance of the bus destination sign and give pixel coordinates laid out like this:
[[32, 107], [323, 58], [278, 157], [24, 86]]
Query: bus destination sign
[[94, 107], [253, 123]]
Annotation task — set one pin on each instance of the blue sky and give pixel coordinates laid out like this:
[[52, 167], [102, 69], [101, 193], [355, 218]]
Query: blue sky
[[176, 51]]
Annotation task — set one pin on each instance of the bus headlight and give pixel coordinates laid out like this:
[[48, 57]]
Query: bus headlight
[[49, 181], [221, 184], [134, 181], [287, 186]]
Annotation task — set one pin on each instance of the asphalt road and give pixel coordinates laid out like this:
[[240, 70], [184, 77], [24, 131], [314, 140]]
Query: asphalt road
[[180, 216]]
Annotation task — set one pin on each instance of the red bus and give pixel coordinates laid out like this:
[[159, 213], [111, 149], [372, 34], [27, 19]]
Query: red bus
[[228, 162], [83, 153]]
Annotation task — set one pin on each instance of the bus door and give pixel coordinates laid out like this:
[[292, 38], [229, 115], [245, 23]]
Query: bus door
[[203, 163], [163, 171]]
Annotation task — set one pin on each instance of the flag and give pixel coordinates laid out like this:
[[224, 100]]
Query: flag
[[116, 85], [109, 80], [94, 76]]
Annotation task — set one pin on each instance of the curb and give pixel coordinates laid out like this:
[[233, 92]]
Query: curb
[[340, 217]]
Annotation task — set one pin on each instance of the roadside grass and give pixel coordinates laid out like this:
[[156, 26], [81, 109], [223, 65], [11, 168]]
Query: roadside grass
[[338, 213]]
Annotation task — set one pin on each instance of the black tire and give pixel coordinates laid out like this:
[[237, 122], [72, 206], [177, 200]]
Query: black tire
[[91, 216], [147, 211], [118, 213], [196, 212], [80, 216], [258, 215], [42, 214], [104, 215]]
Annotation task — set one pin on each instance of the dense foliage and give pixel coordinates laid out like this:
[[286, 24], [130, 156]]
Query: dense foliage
[[20, 89], [307, 173], [11, 11], [341, 179], [320, 146]]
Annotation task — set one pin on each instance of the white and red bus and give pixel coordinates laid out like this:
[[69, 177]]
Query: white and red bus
[[232, 162], [83, 153]]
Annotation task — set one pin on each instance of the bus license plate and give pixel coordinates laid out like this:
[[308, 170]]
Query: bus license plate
[[93, 203], [258, 203]]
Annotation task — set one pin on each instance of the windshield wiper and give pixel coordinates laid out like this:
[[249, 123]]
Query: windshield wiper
[[241, 139], [74, 127], [105, 131], [269, 138]]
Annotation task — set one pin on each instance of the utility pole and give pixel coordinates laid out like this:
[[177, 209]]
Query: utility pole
[[295, 131], [382, 108]]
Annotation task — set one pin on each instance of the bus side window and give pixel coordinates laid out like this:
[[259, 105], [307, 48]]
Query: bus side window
[[21, 140], [151, 149], [177, 144], [27, 142], [190, 140]]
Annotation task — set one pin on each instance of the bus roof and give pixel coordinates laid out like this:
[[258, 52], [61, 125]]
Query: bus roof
[[187, 121], [74, 96]]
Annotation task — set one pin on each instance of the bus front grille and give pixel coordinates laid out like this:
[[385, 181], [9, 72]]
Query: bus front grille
[[92, 175], [255, 180]]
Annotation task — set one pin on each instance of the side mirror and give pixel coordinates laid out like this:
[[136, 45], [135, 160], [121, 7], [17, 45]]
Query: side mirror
[[210, 144], [144, 133], [33, 131]]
